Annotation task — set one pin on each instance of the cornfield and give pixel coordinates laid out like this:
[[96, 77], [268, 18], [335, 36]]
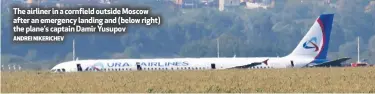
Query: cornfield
[[361, 80]]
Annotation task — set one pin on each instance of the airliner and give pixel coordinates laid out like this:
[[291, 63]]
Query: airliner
[[311, 51]]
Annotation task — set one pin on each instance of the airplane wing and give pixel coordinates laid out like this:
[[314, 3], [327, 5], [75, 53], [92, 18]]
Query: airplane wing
[[250, 65], [336, 62]]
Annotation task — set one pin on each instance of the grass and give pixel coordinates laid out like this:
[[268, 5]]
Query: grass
[[360, 80]]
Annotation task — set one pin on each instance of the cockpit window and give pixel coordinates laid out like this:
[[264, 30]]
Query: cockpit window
[[63, 70], [58, 70]]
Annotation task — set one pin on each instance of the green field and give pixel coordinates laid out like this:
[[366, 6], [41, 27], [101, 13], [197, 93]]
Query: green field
[[260, 80]]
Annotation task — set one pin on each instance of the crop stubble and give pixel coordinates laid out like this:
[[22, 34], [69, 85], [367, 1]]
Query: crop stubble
[[259, 80]]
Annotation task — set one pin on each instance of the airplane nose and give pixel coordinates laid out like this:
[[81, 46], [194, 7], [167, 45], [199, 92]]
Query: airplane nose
[[53, 68]]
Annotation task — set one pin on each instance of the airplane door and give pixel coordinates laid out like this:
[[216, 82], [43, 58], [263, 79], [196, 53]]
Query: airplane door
[[213, 66], [139, 66], [292, 63], [79, 68]]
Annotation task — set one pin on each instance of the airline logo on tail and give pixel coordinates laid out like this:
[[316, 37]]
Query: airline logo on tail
[[312, 43], [96, 66]]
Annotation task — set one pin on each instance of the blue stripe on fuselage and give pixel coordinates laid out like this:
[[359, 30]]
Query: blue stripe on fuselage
[[318, 61]]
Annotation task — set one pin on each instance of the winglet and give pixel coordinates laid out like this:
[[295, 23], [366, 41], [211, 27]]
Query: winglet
[[265, 62]]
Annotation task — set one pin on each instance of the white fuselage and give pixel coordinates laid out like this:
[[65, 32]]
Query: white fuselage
[[313, 47]]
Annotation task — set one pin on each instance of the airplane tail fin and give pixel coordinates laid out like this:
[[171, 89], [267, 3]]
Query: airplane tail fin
[[315, 43]]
